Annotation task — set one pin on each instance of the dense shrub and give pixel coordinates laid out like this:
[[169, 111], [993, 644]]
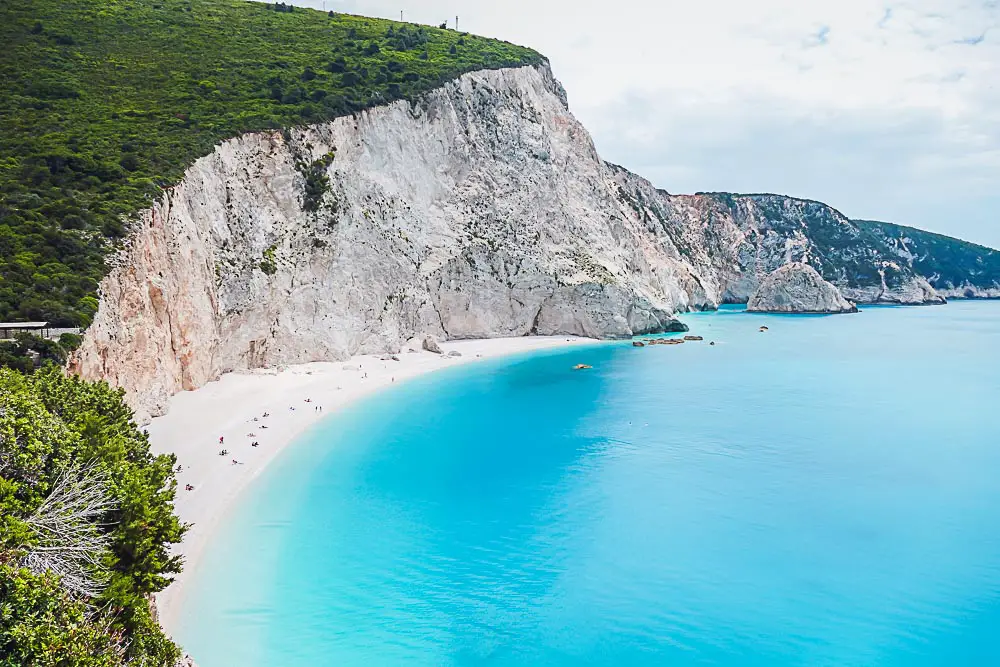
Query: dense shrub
[[28, 350], [43, 625], [50, 424], [102, 106]]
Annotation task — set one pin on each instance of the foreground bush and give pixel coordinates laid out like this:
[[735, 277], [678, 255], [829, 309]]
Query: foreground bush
[[86, 523]]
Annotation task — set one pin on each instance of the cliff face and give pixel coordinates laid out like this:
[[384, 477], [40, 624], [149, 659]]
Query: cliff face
[[956, 269], [734, 241], [483, 211], [798, 288]]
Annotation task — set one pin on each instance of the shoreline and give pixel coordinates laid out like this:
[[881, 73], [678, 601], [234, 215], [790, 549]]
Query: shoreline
[[227, 407]]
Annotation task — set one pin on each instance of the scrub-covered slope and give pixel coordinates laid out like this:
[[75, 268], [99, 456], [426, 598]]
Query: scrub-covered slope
[[955, 268], [106, 102]]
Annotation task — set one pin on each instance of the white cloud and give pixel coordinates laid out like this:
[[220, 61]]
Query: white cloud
[[882, 109]]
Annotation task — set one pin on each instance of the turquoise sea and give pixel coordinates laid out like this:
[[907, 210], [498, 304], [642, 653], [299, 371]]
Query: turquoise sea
[[825, 493]]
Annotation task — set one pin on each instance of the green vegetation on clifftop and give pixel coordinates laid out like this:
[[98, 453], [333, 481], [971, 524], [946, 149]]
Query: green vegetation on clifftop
[[106, 102], [947, 263]]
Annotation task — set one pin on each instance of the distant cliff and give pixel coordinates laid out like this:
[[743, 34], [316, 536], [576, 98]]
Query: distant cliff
[[955, 268], [733, 241]]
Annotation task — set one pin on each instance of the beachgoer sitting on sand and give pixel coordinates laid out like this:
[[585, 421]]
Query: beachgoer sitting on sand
[[265, 426], [235, 462], [291, 407], [267, 414], [223, 452], [309, 400], [255, 444], [251, 435], [188, 487], [180, 468], [255, 419], [221, 439]]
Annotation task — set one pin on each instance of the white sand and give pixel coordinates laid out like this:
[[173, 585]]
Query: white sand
[[226, 408]]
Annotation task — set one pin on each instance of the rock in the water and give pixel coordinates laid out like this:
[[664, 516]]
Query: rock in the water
[[798, 288], [431, 345], [694, 338], [638, 343]]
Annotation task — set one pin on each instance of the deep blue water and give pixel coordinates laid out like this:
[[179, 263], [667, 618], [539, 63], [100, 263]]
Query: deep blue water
[[826, 493]]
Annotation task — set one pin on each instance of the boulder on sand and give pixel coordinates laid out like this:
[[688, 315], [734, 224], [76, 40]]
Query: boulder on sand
[[424, 342]]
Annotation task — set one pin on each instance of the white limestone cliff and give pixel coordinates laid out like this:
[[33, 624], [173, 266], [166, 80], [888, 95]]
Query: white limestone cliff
[[798, 288], [482, 211], [733, 242], [915, 291]]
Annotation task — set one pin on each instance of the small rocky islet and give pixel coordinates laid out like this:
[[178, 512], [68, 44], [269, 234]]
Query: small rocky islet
[[798, 288]]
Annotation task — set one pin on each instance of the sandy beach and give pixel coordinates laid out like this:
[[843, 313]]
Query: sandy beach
[[228, 407]]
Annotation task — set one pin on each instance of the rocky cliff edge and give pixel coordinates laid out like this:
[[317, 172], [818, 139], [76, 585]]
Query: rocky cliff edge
[[481, 211]]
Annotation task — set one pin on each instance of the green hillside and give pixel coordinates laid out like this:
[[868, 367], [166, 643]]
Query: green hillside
[[946, 262], [105, 102]]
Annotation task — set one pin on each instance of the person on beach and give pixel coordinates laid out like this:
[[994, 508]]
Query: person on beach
[[223, 452], [255, 444], [221, 439], [267, 414]]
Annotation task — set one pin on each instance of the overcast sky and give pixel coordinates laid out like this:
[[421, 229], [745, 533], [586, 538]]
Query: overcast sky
[[885, 110]]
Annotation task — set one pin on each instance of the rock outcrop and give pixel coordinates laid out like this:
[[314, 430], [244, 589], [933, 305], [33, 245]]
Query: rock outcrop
[[798, 288]]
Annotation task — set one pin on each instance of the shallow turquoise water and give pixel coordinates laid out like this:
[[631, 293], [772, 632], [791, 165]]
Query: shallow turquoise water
[[826, 493]]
